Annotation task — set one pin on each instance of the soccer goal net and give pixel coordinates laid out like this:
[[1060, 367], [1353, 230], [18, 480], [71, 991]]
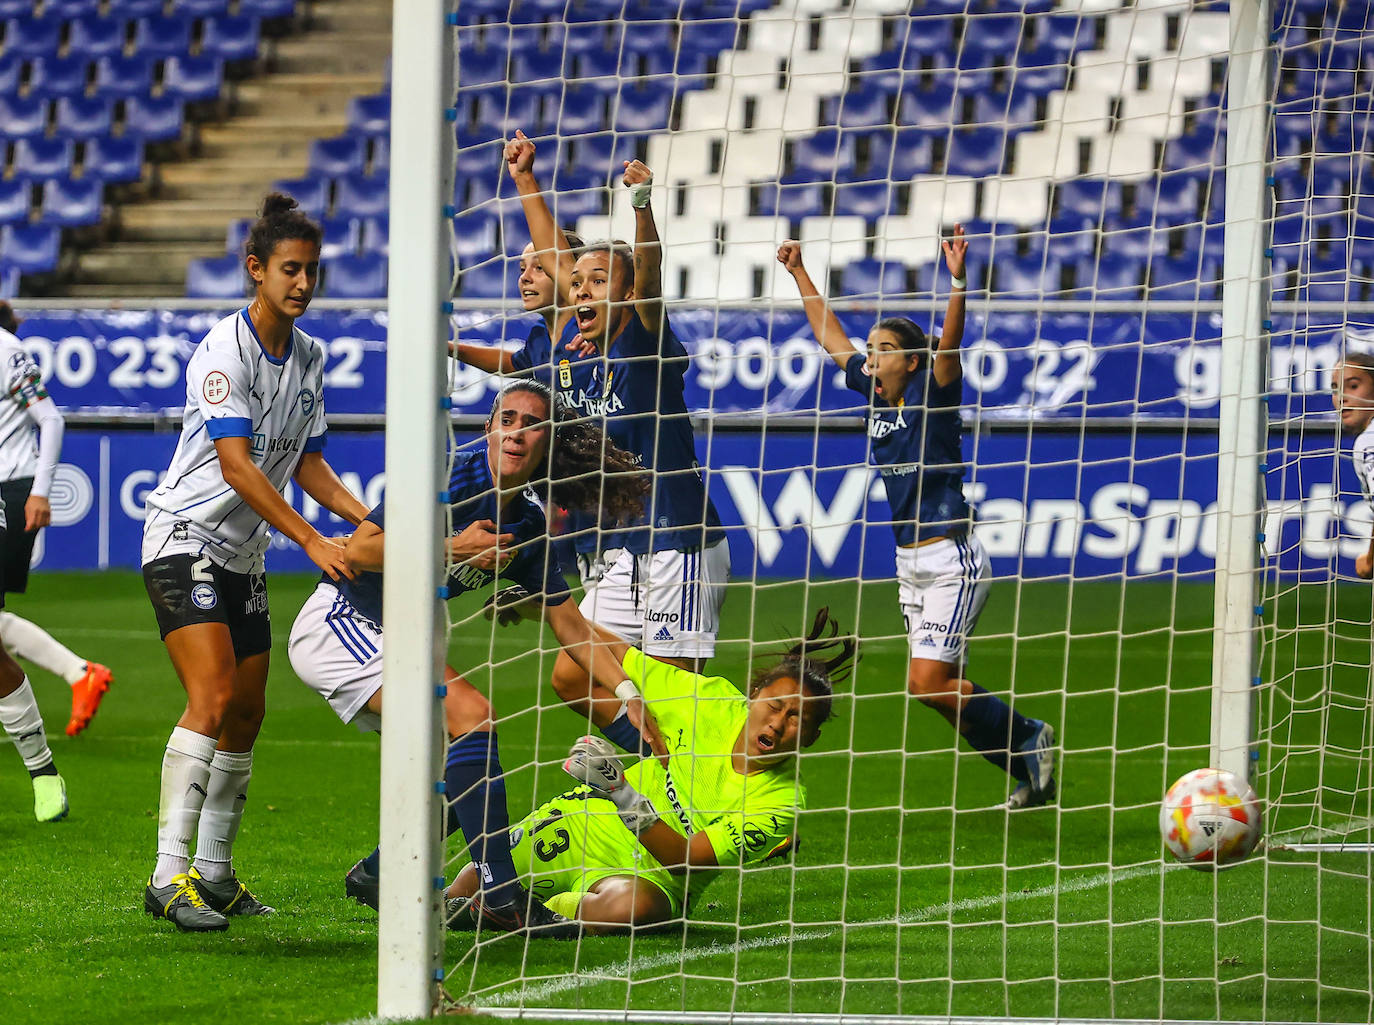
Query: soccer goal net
[[1166, 207]]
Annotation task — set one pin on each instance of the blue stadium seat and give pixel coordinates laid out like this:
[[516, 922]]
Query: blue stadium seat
[[381, 154], [231, 37], [113, 160], [1183, 277], [1072, 237], [200, 8], [1068, 33], [863, 107], [135, 8], [24, 117], [32, 37], [526, 66], [14, 201], [16, 9], [370, 115], [54, 76], [873, 277], [312, 194], [474, 236], [708, 37], [601, 151], [505, 110], [533, 11], [68, 9], [976, 152], [356, 277], [343, 154], [688, 68], [1204, 148], [216, 277], [1015, 109], [94, 37], [72, 203], [582, 110], [268, 10], [640, 109], [83, 117], [869, 200], [162, 36], [1137, 242], [593, 38], [1173, 198], [376, 235], [481, 66], [117, 76], [153, 118], [1029, 278], [9, 281], [1039, 71], [43, 158], [514, 233], [898, 153], [790, 201], [1088, 197], [33, 248], [930, 106], [193, 78], [578, 194], [924, 36], [342, 236], [1120, 276], [358, 196], [1000, 32], [821, 155], [581, 11], [486, 280], [11, 72]]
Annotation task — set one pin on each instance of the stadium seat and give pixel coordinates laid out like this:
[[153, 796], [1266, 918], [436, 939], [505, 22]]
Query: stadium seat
[[370, 115], [873, 277], [1039, 71], [135, 8], [312, 194], [162, 36], [11, 72], [1173, 198], [869, 200], [577, 195], [359, 196], [231, 37], [789, 201], [200, 8], [343, 154], [642, 110], [897, 153], [342, 237], [216, 277], [1088, 197], [33, 248], [83, 117], [9, 281], [864, 107], [268, 10], [356, 277], [975, 152], [822, 155], [112, 160], [32, 37], [1016, 109], [70, 203], [513, 233], [153, 118], [123, 77], [930, 107], [193, 78], [481, 66], [68, 9], [1184, 277], [604, 150], [1068, 33], [474, 236], [582, 110], [1029, 278], [1118, 276], [518, 107], [14, 201], [24, 117], [376, 235], [43, 158], [54, 76]]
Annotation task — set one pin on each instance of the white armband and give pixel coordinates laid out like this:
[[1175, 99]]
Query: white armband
[[626, 690]]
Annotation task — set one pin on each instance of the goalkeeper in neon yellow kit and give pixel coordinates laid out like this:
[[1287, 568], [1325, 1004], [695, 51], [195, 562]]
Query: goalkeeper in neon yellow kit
[[624, 846]]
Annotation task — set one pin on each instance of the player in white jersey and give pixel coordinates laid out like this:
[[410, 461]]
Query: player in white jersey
[[254, 420], [26, 473], [1352, 393]]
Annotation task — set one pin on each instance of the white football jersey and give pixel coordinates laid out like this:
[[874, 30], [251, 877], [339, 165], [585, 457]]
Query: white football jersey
[[1364, 463], [235, 389], [23, 385]]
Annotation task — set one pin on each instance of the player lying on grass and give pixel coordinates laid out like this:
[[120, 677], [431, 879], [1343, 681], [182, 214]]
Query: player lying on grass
[[254, 421], [942, 570], [499, 535], [629, 847], [665, 575], [1352, 393]]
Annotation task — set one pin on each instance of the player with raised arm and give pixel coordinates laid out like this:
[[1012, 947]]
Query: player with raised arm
[[665, 575], [1352, 394], [914, 431], [254, 421], [626, 847], [26, 474], [500, 535]]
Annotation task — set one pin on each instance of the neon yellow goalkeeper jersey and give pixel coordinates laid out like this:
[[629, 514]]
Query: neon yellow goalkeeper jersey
[[747, 817]]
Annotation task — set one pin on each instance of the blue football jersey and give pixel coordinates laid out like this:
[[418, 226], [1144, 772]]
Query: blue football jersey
[[473, 497], [915, 444], [638, 388]]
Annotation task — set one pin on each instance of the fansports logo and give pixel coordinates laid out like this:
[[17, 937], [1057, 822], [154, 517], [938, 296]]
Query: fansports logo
[[203, 596], [215, 389]]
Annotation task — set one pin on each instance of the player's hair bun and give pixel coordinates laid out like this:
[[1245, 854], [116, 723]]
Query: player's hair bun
[[275, 204], [281, 219]]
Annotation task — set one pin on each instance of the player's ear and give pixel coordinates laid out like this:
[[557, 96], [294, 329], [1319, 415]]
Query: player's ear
[[255, 268]]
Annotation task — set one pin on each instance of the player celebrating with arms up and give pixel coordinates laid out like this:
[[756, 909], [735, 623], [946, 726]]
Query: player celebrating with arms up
[[665, 578], [724, 790], [254, 420], [914, 440], [1352, 393]]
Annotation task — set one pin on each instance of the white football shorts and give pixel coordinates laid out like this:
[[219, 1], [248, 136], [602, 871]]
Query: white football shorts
[[665, 603], [942, 588], [337, 652]]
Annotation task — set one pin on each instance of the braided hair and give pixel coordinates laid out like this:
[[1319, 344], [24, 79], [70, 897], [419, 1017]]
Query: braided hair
[[587, 471], [818, 662], [280, 219]]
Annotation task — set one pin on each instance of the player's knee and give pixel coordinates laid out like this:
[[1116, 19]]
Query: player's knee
[[570, 681], [465, 709], [11, 674], [931, 684]]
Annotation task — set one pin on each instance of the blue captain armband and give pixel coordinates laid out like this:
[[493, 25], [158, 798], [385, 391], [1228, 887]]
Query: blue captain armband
[[229, 427]]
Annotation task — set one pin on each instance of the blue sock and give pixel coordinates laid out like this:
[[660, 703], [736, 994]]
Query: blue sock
[[474, 781], [373, 862], [623, 734], [993, 729]]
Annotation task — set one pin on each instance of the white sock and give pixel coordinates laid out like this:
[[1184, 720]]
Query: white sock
[[222, 812], [185, 775], [24, 723], [32, 643]]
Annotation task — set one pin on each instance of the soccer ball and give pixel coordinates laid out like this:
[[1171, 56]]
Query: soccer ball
[[1210, 818]]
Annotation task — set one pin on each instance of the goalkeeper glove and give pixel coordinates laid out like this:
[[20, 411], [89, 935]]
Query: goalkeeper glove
[[504, 605], [593, 762]]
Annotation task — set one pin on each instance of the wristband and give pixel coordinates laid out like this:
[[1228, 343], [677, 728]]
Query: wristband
[[639, 194], [626, 690], [958, 282]]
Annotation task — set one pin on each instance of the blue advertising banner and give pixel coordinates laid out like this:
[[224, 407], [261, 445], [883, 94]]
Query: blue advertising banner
[[1016, 365], [1049, 504]]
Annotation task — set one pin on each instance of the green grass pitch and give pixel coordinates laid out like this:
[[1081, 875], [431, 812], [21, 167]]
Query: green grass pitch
[[908, 893]]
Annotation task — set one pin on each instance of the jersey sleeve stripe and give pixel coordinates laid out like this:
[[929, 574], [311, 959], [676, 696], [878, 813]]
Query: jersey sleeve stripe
[[317, 443], [229, 427]]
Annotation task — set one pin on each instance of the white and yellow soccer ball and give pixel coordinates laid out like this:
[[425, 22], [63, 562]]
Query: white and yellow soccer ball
[[1210, 819]]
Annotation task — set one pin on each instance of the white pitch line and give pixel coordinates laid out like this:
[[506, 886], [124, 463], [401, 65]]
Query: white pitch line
[[619, 971]]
